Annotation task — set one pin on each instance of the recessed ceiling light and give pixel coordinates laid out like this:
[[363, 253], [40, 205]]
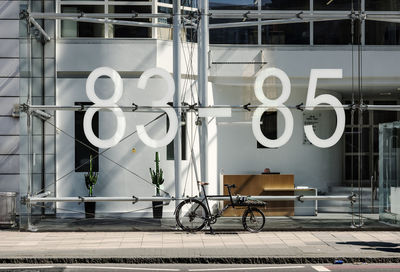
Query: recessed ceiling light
[[385, 93]]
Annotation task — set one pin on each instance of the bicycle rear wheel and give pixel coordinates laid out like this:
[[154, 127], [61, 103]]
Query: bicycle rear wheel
[[253, 219], [191, 215]]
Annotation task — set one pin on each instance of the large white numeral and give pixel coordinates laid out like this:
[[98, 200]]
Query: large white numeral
[[313, 101], [278, 103], [111, 102], [173, 119]]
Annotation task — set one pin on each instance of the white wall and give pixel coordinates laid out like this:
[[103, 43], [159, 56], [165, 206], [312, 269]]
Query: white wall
[[237, 147], [232, 145]]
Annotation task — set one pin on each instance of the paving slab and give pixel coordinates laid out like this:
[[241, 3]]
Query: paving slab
[[187, 247]]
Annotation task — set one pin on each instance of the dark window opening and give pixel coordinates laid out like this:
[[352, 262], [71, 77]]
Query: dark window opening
[[285, 4], [121, 31], [286, 34], [269, 126], [83, 148], [339, 32], [335, 5], [170, 146], [233, 35], [382, 33], [71, 29]]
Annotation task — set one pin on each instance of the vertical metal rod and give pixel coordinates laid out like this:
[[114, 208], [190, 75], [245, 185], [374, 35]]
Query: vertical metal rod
[[203, 42], [29, 123], [177, 96]]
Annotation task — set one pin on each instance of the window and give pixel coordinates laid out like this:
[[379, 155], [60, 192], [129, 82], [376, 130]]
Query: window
[[83, 148], [170, 146], [382, 5], [382, 33], [339, 32], [269, 124], [286, 34], [120, 31], [368, 148], [335, 4], [234, 35], [285, 4], [72, 29], [233, 4]]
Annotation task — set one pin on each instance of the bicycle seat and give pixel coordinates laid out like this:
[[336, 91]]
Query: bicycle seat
[[202, 183], [230, 185]]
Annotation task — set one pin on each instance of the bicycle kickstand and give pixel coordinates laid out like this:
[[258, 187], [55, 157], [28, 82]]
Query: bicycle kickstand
[[211, 229]]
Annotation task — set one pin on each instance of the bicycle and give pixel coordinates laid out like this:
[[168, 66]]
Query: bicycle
[[193, 215]]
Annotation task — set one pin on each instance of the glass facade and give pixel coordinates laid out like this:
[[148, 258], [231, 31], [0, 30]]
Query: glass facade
[[328, 123]]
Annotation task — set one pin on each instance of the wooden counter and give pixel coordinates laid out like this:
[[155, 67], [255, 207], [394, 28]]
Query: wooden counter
[[271, 184]]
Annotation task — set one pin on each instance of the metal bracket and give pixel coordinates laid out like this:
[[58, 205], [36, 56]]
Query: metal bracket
[[135, 199], [24, 200], [300, 106], [246, 107], [16, 111], [300, 198]]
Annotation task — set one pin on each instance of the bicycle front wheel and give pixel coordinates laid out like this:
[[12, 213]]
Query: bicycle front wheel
[[191, 215], [253, 219]]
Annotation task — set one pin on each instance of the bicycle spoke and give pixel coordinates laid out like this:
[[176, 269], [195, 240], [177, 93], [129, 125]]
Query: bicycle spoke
[[191, 215]]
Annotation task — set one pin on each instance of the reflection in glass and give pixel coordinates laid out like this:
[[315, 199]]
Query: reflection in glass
[[286, 34], [382, 33], [335, 4]]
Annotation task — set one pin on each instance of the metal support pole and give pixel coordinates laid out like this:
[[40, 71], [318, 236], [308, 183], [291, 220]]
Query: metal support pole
[[203, 43], [177, 96]]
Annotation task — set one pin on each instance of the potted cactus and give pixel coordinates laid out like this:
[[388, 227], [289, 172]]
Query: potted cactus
[[157, 179], [90, 181]]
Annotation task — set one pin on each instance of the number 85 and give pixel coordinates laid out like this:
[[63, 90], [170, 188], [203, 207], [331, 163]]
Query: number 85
[[311, 102]]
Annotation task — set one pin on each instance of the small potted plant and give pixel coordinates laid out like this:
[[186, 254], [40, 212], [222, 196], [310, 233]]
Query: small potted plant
[[157, 179], [90, 181]]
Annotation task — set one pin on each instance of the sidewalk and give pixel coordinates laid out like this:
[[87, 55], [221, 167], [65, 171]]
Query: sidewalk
[[177, 246]]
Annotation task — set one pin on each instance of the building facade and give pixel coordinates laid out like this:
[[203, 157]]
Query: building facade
[[360, 38]]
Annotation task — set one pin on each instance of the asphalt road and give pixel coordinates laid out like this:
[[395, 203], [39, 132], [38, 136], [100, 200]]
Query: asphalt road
[[199, 267]]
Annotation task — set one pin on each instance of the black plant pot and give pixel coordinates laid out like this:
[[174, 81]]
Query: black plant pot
[[90, 209], [157, 209]]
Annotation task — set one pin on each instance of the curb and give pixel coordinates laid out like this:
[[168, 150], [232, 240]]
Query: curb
[[200, 260]]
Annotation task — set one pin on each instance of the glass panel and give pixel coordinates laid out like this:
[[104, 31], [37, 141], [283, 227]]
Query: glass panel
[[286, 34], [285, 4], [335, 4], [381, 5], [389, 186], [120, 31], [382, 33], [351, 140], [385, 116], [232, 4], [71, 29], [340, 32], [235, 35], [353, 160]]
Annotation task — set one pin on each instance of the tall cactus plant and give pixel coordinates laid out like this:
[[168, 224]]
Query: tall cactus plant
[[157, 175], [91, 177]]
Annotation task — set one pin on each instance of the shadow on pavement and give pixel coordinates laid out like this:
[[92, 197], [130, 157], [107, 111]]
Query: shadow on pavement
[[380, 246]]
